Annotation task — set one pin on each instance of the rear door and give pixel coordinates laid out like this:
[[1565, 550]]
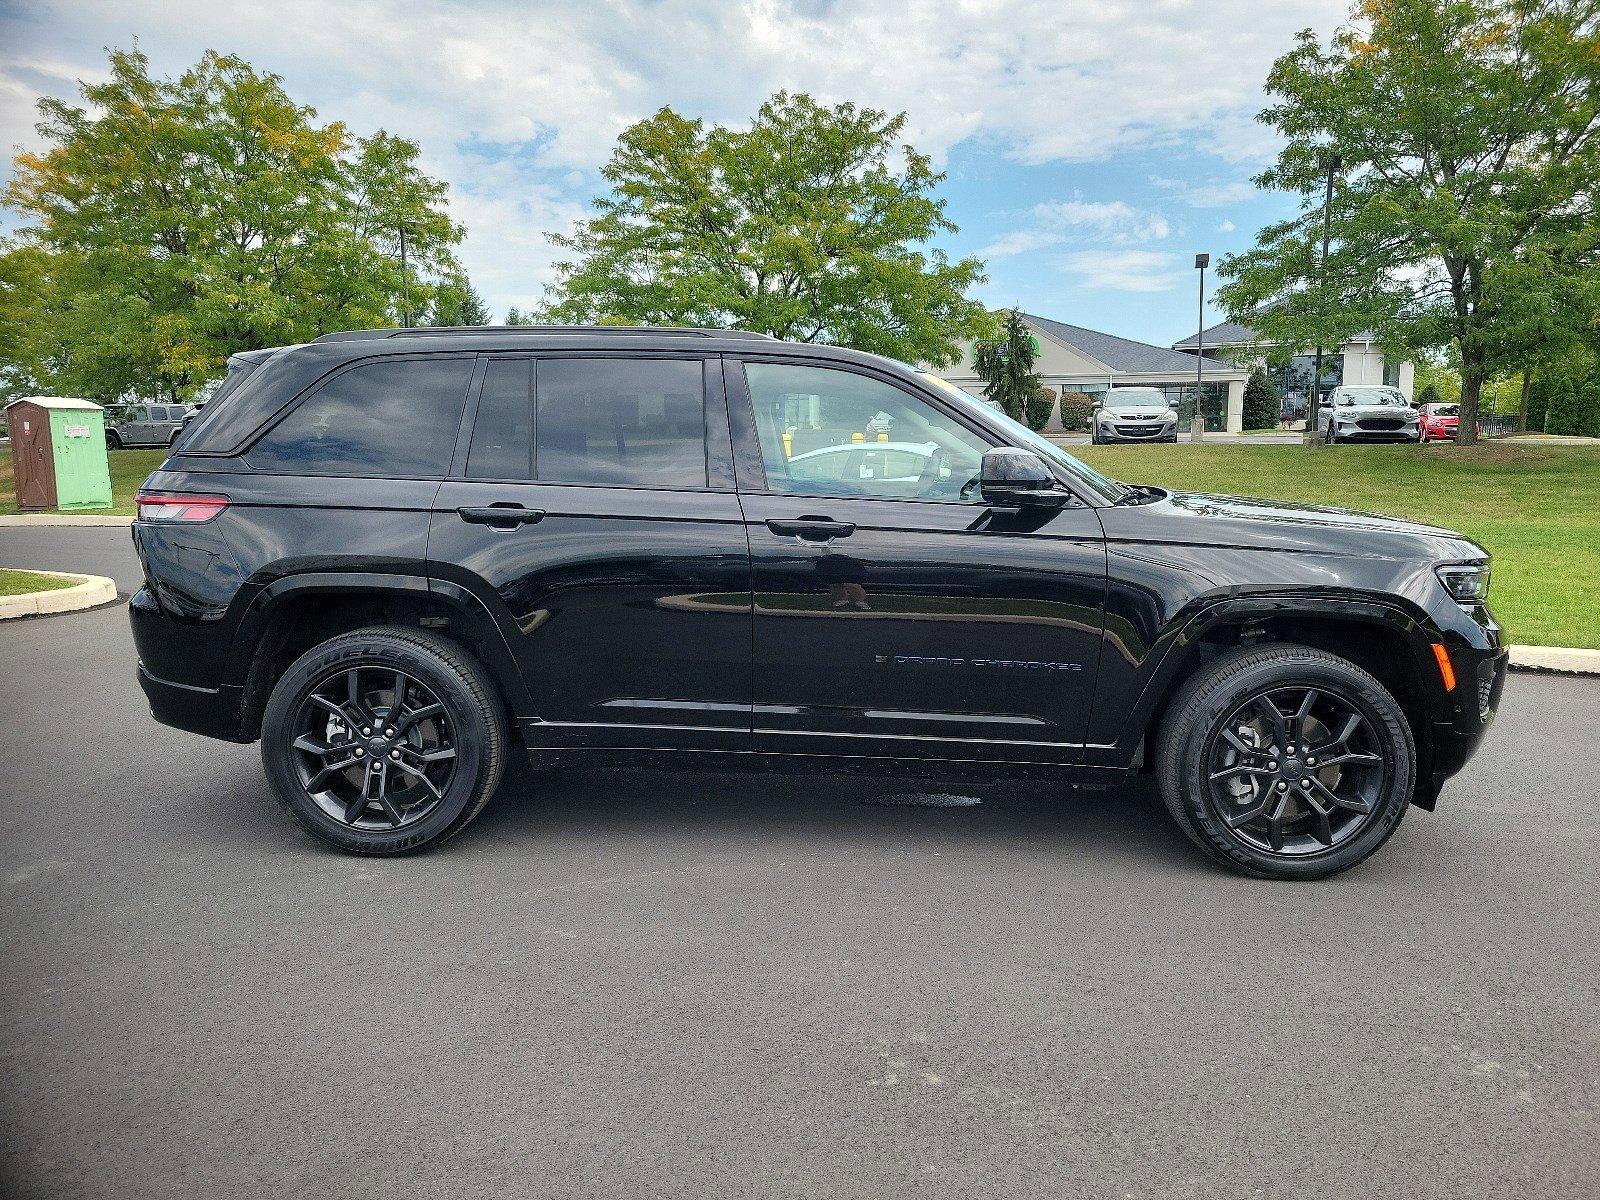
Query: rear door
[[592, 510], [895, 613]]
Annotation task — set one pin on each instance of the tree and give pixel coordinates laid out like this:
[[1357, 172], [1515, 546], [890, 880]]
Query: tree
[[1428, 395], [456, 302], [1263, 406], [1005, 364], [1469, 132], [807, 225], [515, 316], [183, 219]]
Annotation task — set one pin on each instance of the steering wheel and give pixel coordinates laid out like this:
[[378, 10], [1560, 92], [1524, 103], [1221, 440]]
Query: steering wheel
[[929, 481]]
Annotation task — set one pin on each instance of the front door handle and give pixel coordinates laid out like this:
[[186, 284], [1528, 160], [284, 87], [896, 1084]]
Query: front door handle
[[812, 529], [501, 516]]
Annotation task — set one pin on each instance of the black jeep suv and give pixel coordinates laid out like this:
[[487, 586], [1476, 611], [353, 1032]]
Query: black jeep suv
[[390, 554]]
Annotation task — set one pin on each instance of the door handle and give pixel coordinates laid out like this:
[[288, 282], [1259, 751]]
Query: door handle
[[812, 529], [501, 516]]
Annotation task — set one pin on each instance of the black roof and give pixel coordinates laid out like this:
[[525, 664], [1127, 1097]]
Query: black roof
[[445, 331], [1124, 355]]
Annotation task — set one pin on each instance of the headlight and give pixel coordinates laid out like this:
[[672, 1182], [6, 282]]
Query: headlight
[[1467, 583]]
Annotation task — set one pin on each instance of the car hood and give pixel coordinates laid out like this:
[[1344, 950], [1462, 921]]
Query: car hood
[[1196, 518]]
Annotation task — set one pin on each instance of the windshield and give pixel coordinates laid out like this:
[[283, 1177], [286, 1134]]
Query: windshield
[[1137, 398], [1104, 486], [1381, 397], [1446, 410]]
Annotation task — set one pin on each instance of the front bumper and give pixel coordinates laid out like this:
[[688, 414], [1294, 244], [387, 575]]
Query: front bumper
[[1458, 728], [1139, 431], [1354, 433]]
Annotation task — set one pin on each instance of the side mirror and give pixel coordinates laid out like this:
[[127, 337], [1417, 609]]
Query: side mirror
[[1013, 478]]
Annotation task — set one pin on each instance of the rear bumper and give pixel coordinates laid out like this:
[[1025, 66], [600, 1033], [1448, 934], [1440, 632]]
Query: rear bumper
[[210, 712]]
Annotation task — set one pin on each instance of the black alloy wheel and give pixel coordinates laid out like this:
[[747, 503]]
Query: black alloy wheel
[[1285, 761], [384, 740], [374, 747], [1295, 771]]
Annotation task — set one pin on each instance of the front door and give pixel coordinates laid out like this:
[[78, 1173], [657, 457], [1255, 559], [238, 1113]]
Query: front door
[[593, 510], [896, 613]]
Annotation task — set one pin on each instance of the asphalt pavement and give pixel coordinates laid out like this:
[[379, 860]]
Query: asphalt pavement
[[698, 984]]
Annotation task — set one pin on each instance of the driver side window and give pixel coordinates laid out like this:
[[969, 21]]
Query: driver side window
[[826, 432]]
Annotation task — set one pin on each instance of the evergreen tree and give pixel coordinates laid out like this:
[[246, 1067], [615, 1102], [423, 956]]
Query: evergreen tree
[[1428, 395], [1263, 406], [1005, 364]]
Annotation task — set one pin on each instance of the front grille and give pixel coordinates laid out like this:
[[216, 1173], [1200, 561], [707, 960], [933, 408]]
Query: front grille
[[1138, 430], [1380, 424]]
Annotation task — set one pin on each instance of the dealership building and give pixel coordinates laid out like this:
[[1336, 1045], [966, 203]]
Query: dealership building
[[1359, 361], [1074, 359]]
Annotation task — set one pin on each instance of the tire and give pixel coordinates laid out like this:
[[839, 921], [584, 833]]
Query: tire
[[1194, 742], [113, 440], [454, 757]]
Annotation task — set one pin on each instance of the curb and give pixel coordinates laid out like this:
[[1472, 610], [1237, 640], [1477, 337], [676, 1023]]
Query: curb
[[88, 592], [1555, 660], [42, 520]]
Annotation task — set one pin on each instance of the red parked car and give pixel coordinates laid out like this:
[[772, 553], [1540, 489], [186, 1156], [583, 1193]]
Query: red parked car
[[1438, 422]]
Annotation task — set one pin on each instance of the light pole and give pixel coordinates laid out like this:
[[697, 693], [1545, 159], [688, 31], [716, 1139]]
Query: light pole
[[1312, 411], [405, 283], [1201, 262]]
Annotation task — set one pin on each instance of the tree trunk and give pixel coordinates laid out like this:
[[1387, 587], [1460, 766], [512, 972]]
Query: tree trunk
[[1522, 407], [1471, 387]]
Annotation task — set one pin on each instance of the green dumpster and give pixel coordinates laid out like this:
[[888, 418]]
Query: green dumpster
[[58, 453]]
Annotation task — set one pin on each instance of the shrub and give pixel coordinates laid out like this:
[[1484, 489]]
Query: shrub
[[1263, 406], [1428, 395], [1041, 404], [1076, 408], [1574, 407]]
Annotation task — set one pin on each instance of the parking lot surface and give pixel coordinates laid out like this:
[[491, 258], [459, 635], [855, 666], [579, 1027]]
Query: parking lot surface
[[698, 984]]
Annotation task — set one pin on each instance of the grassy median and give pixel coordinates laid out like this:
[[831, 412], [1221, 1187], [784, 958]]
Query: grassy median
[[1535, 508], [20, 583]]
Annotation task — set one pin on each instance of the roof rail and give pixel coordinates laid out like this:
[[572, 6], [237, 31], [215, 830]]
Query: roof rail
[[359, 335]]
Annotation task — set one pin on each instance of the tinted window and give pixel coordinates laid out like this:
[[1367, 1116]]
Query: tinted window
[[502, 434], [396, 418], [638, 422], [829, 432]]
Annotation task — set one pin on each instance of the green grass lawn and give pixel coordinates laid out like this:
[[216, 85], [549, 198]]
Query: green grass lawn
[[1536, 509], [129, 469], [18, 583]]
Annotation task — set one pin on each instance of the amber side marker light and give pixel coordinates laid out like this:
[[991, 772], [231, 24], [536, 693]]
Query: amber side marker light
[[1446, 671]]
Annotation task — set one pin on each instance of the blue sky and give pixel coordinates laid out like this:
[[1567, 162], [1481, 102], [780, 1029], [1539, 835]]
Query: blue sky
[[1092, 147]]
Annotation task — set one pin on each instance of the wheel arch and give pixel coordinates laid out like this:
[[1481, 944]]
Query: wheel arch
[[294, 613], [1382, 638]]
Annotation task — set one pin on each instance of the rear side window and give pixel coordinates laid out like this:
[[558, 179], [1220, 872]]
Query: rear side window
[[619, 422], [395, 419]]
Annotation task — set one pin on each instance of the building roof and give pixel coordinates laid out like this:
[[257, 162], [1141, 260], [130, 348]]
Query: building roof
[[1228, 333], [1124, 355], [57, 402]]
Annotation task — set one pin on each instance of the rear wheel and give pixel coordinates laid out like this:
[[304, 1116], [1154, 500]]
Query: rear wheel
[[1286, 762], [384, 741], [113, 440]]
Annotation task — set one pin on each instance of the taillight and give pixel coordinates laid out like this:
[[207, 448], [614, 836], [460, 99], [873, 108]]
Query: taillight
[[169, 508]]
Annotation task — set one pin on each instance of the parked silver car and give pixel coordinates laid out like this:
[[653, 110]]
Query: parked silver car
[[144, 425], [1367, 414], [1134, 414]]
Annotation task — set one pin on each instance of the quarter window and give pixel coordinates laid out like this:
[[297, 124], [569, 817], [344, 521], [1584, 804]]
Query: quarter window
[[502, 433], [836, 433], [394, 419]]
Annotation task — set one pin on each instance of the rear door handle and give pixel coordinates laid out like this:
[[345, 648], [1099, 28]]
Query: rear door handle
[[812, 529], [501, 516]]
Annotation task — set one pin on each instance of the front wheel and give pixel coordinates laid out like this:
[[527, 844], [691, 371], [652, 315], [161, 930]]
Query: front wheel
[[384, 740], [1286, 762], [113, 440]]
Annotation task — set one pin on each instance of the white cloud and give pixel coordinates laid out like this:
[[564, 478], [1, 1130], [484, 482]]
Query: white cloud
[[517, 106], [1214, 193], [1226, 227], [1114, 219], [1020, 241], [1123, 270]]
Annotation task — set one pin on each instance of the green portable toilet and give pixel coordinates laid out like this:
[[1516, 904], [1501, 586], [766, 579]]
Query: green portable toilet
[[58, 452]]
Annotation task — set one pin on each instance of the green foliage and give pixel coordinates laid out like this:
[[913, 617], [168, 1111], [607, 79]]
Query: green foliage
[[1470, 137], [1005, 364], [1574, 406], [1263, 406], [810, 224], [1428, 395], [456, 302], [1076, 409], [516, 316], [1040, 405], [181, 220]]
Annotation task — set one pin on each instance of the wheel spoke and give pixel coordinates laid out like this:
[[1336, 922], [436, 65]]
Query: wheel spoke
[[1353, 804], [421, 775], [1234, 820], [1280, 732], [336, 709], [421, 714], [1324, 825], [1239, 769], [1340, 760], [1275, 823], [1351, 724], [354, 809], [399, 704], [1239, 744], [1301, 713]]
